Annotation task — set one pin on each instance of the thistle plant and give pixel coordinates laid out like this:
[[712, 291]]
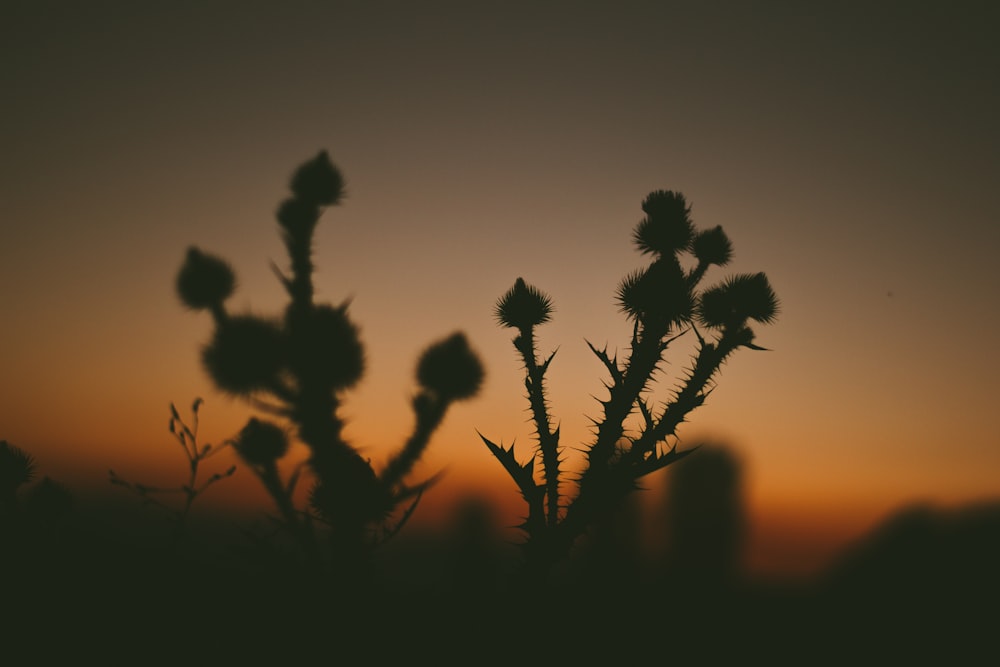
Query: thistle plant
[[297, 368], [35, 512], [634, 435]]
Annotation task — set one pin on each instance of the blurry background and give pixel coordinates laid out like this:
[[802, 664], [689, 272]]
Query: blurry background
[[849, 150]]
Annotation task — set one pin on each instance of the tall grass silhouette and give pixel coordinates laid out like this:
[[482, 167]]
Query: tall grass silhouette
[[297, 368], [664, 301], [187, 437]]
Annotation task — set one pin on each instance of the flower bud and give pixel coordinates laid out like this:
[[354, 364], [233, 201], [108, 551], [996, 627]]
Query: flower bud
[[667, 226], [523, 306], [261, 442], [246, 354], [712, 246], [318, 181], [204, 281], [324, 346], [739, 298], [658, 295], [450, 369]]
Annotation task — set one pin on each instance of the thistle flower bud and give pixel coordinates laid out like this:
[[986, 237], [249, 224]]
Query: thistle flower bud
[[261, 442], [712, 246], [204, 281], [246, 354], [451, 369], [667, 227], [523, 306], [737, 299], [318, 181], [324, 345], [658, 294]]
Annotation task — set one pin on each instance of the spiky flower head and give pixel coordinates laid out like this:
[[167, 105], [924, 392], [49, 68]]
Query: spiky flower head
[[16, 467], [450, 369], [523, 306], [245, 355], [667, 227], [261, 442], [318, 181], [204, 281], [325, 347], [657, 295], [739, 298], [712, 246]]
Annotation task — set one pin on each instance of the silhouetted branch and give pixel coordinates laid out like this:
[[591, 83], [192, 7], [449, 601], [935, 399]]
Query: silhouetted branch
[[187, 436]]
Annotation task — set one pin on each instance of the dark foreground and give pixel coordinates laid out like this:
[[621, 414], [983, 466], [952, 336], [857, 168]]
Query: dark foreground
[[925, 585]]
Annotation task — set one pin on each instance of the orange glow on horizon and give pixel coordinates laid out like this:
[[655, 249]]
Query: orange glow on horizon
[[792, 533]]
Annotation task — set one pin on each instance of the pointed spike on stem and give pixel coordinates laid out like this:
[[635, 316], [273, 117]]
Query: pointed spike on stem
[[285, 281], [545, 366]]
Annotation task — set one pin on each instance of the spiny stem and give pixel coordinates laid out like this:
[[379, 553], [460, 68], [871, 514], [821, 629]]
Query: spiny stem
[[429, 413], [710, 358], [641, 364], [301, 287], [548, 440]]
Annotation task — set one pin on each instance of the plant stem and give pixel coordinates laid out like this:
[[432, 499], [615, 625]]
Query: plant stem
[[548, 440]]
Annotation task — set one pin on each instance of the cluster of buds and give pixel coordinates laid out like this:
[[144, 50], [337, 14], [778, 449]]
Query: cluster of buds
[[663, 300], [298, 366]]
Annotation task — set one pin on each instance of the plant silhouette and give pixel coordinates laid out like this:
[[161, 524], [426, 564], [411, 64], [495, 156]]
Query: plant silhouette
[[298, 367], [664, 301], [46, 502], [34, 518], [17, 468], [187, 437]]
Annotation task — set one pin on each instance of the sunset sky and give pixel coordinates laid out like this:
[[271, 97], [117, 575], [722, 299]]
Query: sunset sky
[[850, 151]]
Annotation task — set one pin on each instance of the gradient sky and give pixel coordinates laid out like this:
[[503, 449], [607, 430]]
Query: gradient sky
[[850, 150]]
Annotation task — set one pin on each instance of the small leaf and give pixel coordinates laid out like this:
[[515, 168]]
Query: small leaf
[[523, 475]]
